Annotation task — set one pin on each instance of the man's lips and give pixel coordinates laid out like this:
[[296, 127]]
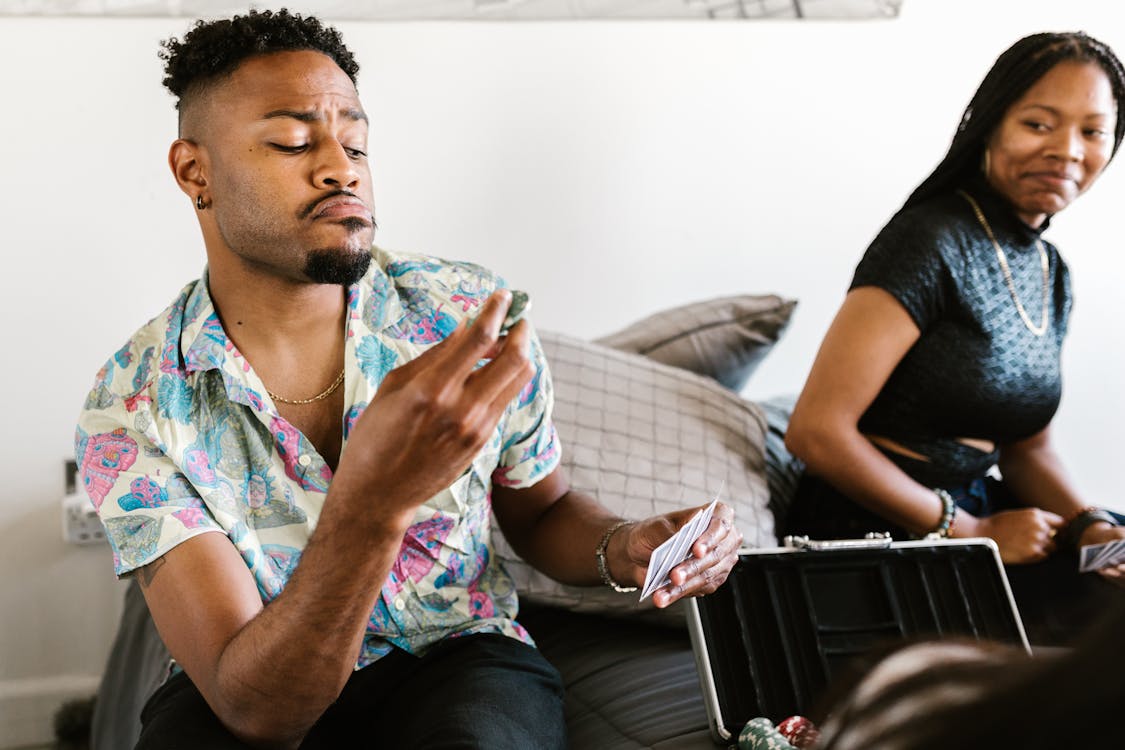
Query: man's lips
[[341, 207]]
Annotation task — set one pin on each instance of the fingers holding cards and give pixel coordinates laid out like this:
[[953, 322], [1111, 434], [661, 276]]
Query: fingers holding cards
[[695, 560], [675, 550]]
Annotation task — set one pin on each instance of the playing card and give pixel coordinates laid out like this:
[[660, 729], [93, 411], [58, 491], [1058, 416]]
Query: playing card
[[675, 550], [1098, 556]]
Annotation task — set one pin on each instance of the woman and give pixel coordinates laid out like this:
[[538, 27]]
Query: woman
[[943, 361]]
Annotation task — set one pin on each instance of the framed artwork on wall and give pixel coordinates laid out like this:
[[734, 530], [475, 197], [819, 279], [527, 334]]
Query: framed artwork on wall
[[494, 10]]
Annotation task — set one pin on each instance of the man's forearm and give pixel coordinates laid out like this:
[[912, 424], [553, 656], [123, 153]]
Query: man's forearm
[[280, 672], [562, 540]]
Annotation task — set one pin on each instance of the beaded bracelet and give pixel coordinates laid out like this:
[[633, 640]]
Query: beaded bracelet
[[1078, 522], [948, 514], [603, 566]]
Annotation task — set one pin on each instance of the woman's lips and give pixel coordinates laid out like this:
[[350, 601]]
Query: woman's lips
[[1054, 179]]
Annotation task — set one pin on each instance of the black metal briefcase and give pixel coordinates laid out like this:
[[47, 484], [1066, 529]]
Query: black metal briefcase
[[769, 640]]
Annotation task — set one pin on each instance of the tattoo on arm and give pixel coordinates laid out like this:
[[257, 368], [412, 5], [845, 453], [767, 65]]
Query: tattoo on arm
[[147, 573]]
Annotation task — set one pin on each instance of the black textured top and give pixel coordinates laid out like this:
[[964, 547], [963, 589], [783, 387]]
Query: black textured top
[[976, 371]]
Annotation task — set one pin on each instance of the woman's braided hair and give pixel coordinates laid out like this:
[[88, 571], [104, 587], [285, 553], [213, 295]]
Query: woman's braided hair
[[1013, 73], [214, 49]]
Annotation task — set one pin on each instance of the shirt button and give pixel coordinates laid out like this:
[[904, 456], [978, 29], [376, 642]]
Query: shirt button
[[305, 459], [400, 604]]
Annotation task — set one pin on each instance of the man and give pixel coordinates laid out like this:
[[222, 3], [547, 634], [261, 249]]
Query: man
[[330, 418]]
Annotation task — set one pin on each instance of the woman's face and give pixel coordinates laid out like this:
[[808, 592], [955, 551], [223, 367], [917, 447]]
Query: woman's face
[[1053, 141]]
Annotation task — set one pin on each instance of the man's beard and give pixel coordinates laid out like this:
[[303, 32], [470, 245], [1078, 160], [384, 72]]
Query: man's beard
[[336, 267]]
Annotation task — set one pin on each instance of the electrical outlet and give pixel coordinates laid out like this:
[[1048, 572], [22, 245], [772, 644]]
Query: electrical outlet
[[80, 522]]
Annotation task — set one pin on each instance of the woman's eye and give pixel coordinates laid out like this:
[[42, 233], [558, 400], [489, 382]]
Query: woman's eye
[[355, 153], [290, 149], [1036, 125], [1096, 133]]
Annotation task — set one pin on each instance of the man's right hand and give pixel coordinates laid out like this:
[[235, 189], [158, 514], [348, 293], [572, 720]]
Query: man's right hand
[[431, 416]]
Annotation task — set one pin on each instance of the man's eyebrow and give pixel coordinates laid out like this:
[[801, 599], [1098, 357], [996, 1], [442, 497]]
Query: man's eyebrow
[[313, 115]]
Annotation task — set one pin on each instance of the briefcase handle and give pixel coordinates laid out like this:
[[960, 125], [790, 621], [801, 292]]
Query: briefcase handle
[[873, 540]]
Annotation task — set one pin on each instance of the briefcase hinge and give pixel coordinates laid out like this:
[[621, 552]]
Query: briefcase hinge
[[873, 540]]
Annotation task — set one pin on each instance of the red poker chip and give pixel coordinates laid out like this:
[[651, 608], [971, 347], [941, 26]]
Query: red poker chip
[[800, 732]]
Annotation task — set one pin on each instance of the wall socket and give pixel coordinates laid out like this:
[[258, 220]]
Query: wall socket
[[80, 522]]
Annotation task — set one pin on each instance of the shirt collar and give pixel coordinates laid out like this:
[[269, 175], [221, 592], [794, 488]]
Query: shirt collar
[[372, 303]]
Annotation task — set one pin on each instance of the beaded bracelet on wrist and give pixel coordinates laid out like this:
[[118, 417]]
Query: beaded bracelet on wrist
[[948, 515]]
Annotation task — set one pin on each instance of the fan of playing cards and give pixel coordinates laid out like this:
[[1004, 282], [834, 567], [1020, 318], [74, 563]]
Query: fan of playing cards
[[1098, 556], [675, 550]]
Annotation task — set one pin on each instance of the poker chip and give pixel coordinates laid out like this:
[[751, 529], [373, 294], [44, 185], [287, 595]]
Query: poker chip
[[799, 731], [760, 734]]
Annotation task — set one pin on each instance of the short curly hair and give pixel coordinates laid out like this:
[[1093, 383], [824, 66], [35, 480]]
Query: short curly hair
[[212, 50]]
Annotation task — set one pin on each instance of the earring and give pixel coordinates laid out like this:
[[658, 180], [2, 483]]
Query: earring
[[199, 202]]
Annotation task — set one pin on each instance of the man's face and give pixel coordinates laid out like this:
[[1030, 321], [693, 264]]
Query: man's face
[[285, 148]]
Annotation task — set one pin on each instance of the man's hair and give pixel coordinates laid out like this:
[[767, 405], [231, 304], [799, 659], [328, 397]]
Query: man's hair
[[212, 50], [1013, 73]]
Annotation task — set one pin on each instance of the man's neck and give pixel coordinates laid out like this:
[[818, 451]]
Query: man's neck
[[291, 332]]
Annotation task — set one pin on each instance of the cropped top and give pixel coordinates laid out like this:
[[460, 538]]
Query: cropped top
[[976, 371]]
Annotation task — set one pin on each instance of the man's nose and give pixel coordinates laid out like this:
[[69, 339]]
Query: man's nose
[[335, 167]]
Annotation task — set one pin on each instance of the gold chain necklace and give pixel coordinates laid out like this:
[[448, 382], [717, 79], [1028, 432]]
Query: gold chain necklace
[[1040, 329], [323, 394]]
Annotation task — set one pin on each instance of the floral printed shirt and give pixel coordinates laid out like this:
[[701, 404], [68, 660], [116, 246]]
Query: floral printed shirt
[[178, 437]]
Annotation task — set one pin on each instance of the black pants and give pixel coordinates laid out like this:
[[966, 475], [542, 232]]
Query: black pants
[[476, 691], [1055, 601]]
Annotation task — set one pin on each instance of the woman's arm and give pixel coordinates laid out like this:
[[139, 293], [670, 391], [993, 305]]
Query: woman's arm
[[869, 337], [1034, 472]]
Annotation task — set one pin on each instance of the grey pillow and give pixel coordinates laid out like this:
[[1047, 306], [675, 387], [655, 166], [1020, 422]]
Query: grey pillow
[[646, 438], [725, 338]]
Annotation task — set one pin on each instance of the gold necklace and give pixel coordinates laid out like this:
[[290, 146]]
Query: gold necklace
[[323, 394], [1040, 329]]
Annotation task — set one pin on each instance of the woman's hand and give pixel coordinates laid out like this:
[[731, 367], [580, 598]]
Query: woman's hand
[[1100, 533], [1025, 535]]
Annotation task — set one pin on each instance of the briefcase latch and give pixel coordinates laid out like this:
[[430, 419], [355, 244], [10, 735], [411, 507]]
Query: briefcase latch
[[872, 540]]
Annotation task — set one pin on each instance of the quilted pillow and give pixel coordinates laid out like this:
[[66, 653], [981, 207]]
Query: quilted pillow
[[646, 438], [725, 338]]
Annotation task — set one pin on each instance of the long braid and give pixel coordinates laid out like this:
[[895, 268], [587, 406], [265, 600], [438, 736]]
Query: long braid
[[1013, 73]]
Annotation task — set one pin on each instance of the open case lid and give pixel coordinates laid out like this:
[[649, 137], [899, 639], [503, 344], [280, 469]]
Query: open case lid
[[769, 640]]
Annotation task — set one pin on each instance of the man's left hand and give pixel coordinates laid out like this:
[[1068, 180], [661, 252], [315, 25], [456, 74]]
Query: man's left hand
[[713, 554]]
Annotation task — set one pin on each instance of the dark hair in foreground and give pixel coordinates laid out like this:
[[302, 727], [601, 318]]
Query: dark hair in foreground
[[1066, 700], [1013, 73], [212, 50]]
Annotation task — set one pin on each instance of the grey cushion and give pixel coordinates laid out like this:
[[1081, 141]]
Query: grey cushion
[[645, 439], [783, 469], [724, 338], [629, 684]]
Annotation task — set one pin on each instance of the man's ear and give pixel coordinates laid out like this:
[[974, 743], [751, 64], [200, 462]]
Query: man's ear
[[187, 159]]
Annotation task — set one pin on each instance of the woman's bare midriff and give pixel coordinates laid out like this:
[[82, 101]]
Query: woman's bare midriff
[[984, 446]]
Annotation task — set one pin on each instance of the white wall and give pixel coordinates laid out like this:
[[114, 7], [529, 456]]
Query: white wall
[[611, 169]]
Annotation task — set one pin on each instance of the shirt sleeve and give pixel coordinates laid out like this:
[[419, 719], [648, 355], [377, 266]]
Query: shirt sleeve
[[530, 449], [145, 502], [907, 261]]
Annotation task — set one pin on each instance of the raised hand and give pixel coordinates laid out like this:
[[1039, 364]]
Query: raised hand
[[432, 415]]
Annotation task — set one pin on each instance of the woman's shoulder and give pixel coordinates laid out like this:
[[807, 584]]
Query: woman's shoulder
[[942, 220]]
